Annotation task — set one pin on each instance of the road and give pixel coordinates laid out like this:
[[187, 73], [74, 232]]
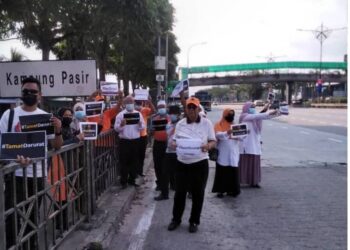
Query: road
[[301, 205]]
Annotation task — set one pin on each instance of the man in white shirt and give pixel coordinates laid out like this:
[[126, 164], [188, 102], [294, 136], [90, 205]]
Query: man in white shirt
[[195, 135], [128, 124], [31, 94]]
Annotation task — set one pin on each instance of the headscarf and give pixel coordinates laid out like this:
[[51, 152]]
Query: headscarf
[[257, 124], [223, 125]]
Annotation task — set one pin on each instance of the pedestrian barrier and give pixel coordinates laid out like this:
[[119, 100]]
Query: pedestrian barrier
[[39, 212]]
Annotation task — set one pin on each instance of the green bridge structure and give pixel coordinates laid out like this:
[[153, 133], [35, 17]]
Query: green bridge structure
[[290, 73]]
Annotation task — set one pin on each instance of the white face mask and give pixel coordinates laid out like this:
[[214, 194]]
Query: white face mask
[[129, 107]]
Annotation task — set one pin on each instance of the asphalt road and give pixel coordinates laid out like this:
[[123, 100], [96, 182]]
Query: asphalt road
[[301, 205]]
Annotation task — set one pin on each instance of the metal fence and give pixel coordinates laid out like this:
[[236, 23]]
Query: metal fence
[[42, 203]]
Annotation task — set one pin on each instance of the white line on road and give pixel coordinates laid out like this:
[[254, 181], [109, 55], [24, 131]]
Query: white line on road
[[305, 133], [285, 127], [331, 139], [139, 235]]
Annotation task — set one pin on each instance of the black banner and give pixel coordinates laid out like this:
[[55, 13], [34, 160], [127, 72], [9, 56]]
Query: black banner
[[28, 144], [132, 118], [93, 108], [239, 130], [40, 122], [159, 124]]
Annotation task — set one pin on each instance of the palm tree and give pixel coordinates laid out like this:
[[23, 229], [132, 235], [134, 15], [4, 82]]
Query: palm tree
[[16, 56]]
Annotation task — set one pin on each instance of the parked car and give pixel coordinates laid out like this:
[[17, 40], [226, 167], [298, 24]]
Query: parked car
[[258, 103]]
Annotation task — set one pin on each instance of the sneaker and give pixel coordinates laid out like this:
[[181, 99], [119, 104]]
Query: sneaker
[[193, 228], [173, 225], [161, 197]]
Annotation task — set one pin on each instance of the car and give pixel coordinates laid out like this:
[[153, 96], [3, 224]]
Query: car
[[258, 103]]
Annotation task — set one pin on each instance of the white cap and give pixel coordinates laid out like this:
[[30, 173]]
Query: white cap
[[161, 102]]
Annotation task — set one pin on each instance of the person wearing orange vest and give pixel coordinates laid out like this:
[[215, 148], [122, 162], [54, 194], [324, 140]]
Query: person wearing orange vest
[[146, 108], [158, 129]]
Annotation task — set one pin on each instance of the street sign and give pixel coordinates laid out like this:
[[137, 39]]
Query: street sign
[[159, 62], [160, 78]]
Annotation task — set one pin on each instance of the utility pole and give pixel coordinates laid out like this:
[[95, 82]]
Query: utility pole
[[321, 34]]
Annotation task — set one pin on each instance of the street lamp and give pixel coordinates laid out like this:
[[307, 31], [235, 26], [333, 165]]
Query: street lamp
[[188, 55]]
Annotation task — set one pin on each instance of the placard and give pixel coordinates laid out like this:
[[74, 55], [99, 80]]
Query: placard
[[89, 129], [93, 108], [141, 94], [132, 118], [159, 124], [37, 122], [28, 144], [188, 148], [271, 97], [109, 88], [239, 130]]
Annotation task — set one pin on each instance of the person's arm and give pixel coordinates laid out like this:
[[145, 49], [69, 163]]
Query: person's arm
[[58, 141], [259, 116], [183, 100], [150, 104], [119, 123], [266, 107], [142, 124]]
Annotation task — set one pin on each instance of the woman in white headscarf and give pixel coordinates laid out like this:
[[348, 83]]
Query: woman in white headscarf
[[250, 147]]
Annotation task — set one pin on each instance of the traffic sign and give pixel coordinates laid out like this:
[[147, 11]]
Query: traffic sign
[[160, 78]]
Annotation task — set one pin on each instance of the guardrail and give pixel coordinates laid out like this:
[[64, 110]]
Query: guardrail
[[39, 212]]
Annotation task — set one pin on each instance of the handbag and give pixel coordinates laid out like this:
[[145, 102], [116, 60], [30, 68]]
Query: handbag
[[213, 154]]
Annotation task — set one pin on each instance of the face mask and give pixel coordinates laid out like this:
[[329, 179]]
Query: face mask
[[79, 114], [173, 118], [29, 100], [230, 118], [162, 111], [251, 111], [129, 107], [66, 121]]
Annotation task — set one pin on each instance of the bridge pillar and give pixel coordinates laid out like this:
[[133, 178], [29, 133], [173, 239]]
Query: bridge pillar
[[289, 91]]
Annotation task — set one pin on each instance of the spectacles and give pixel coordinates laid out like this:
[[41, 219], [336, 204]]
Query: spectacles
[[191, 106], [30, 91]]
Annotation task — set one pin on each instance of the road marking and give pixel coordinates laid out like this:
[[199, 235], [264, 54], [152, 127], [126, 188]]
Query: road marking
[[335, 124], [305, 133], [139, 235], [285, 127], [331, 139], [323, 122]]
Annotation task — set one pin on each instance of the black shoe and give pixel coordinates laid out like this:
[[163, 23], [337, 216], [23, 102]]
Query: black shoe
[[220, 195], [135, 184], [161, 197], [142, 175], [173, 225], [189, 196], [193, 228], [256, 186], [233, 194], [157, 188]]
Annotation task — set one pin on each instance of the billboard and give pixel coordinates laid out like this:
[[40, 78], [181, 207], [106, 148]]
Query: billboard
[[58, 78]]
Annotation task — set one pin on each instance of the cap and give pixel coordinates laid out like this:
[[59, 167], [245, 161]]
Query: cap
[[193, 100], [161, 102], [99, 98]]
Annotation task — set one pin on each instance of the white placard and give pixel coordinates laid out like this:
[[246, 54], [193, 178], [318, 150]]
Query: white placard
[[89, 129], [109, 88], [58, 78], [181, 86], [141, 94], [188, 148], [159, 62], [239, 130], [160, 78]]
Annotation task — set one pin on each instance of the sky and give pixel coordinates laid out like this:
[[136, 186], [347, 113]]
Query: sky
[[248, 31]]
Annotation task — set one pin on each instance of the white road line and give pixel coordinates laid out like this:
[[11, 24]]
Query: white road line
[[335, 124], [305, 133], [331, 139], [285, 127], [139, 235], [323, 122]]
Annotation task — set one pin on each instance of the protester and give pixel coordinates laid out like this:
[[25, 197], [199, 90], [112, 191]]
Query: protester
[[160, 139], [129, 134], [226, 171], [79, 116], [69, 134], [146, 109], [250, 147], [170, 161], [192, 170], [25, 183]]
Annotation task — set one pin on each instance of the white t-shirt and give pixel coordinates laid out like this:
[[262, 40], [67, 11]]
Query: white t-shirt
[[131, 131], [16, 127], [202, 130]]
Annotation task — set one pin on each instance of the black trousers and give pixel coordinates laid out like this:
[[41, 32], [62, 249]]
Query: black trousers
[[159, 148], [168, 173], [10, 222], [142, 153], [190, 178], [129, 155]]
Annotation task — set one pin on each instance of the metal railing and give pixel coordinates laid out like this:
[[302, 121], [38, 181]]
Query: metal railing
[[39, 212]]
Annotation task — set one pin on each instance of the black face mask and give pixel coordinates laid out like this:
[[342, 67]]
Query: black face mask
[[29, 100], [66, 121], [229, 118]]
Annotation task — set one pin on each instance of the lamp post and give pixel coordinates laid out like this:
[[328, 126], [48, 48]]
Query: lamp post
[[188, 55]]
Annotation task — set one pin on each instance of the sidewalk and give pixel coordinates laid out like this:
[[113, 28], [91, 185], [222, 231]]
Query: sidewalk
[[111, 209]]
